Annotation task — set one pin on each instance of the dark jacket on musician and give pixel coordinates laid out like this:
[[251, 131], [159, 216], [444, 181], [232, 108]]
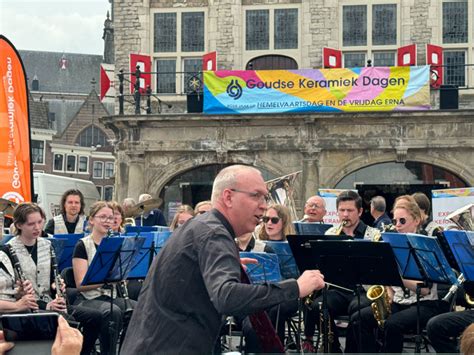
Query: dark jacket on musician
[[193, 283]]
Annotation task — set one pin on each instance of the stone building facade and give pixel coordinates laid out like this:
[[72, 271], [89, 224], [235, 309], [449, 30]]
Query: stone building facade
[[158, 153]]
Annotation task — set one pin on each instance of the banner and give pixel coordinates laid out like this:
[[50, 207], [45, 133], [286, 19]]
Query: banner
[[15, 163], [209, 61], [313, 90], [434, 57], [446, 201], [143, 62], [406, 55], [330, 196], [107, 83]]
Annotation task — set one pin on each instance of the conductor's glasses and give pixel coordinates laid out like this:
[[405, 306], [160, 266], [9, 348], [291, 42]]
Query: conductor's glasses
[[255, 195]]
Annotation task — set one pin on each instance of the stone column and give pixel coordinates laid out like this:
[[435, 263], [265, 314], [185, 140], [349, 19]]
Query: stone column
[[310, 173], [136, 177]]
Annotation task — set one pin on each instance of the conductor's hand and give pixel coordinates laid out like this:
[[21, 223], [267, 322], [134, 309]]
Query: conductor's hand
[[68, 340], [309, 281]]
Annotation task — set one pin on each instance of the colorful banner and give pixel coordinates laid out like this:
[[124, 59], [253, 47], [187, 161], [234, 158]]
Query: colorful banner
[[15, 164], [446, 201], [313, 90]]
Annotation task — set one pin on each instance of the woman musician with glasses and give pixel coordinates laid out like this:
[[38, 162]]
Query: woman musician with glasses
[[101, 219], [275, 226], [403, 319]]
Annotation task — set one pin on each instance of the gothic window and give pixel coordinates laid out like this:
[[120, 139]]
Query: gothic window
[[192, 32], [286, 28], [354, 19], [257, 30], [384, 59], [165, 32], [166, 76], [354, 60], [455, 22], [37, 152], [92, 136], [384, 24], [454, 72]]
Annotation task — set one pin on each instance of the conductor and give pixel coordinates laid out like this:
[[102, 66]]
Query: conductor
[[196, 279]]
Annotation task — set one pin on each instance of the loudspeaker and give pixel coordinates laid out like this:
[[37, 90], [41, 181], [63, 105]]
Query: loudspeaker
[[194, 103], [448, 97]]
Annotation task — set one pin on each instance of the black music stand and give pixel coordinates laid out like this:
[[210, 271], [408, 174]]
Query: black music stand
[[346, 262], [420, 258], [112, 262]]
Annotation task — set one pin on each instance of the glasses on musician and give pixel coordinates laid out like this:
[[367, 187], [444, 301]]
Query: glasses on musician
[[103, 218], [274, 220], [313, 205], [401, 220], [255, 195]]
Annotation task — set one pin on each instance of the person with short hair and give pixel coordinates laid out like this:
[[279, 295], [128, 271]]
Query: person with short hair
[[378, 207], [314, 210], [71, 220], [201, 260]]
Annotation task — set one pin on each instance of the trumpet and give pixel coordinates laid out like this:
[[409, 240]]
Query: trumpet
[[341, 226], [380, 303]]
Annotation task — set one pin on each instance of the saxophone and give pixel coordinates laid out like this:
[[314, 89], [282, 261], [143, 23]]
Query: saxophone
[[380, 303]]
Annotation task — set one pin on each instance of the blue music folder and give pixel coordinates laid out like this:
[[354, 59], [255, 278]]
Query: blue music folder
[[140, 229], [288, 267], [58, 246], [113, 260], [267, 269], [160, 240], [305, 228], [65, 259], [6, 238], [462, 246]]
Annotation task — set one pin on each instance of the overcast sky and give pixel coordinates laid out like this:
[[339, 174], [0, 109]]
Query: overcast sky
[[73, 26]]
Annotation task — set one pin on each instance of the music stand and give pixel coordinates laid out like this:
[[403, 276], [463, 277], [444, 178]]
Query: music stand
[[144, 257], [461, 244], [287, 262], [267, 269], [111, 263], [140, 229], [308, 228], [425, 254], [65, 258], [346, 262]]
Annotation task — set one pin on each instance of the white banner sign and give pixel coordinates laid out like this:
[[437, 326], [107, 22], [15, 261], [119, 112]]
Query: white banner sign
[[446, 201]]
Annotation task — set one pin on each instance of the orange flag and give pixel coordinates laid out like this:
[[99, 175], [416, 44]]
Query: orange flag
[[15, 162]]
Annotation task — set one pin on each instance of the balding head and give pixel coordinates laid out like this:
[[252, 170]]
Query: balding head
[[314, 209], [239, 193]]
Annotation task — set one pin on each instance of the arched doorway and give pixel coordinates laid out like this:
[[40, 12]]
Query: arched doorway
[[271, 62], [392, 179], [193, 186]]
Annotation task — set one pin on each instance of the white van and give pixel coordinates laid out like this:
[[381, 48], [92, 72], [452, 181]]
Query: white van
[[49, 189]]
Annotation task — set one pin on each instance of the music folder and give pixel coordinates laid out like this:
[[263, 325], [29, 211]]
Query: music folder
[[65, 256], [288, 267], [461, 244], [267, 269], [346, 262]]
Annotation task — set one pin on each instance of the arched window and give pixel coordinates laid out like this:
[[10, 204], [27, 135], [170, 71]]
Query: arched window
[[272, 62], [92, 136]]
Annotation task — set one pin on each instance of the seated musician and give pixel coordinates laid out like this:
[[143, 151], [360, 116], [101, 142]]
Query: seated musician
[[276, 226], [27, 277], [72, 218], [445, 329], [101, 218], [314, 210], [119, 218], [153, 218], [339, 302], [183, 214], [403, 318]]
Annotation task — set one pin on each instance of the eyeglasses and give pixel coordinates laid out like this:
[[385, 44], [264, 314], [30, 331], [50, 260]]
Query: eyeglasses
[[401, 220], [255, 195], [266, 219], [313, 205], [105, 218]]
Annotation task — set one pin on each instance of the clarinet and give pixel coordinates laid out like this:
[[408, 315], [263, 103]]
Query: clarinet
[[57, 277], [16, 265]]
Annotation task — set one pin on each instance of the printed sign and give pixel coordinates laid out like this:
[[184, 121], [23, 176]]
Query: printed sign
[[446, 201], [312, 90]]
